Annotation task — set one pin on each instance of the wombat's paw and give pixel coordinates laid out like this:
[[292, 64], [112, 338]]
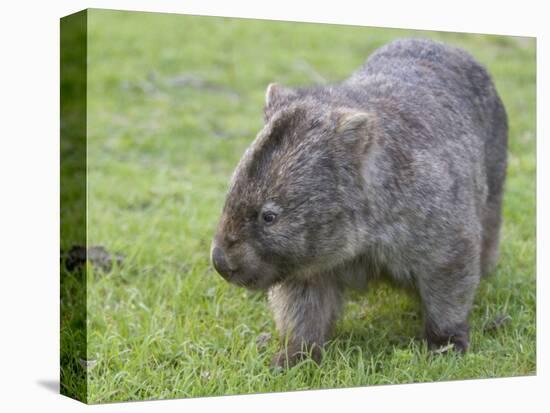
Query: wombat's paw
[[286, 359], [458, 340], [461, 343]]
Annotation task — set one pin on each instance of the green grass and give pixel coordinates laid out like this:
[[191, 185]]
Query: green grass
[[173, 101]]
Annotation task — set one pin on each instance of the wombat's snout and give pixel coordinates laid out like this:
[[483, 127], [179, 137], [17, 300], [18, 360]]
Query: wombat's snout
[[220, 263]]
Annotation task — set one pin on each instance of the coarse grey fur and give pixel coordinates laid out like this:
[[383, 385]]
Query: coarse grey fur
[[395, 172]]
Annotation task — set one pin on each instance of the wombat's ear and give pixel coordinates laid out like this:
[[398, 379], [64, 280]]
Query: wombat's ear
[[276, 92], [353, 126]]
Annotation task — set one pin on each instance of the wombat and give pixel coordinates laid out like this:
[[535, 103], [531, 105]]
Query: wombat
[[395, 173]]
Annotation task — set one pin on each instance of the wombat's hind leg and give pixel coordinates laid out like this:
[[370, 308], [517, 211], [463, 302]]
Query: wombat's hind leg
[[447, 300], [305, 313]]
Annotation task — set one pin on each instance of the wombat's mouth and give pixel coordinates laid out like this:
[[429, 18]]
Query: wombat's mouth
[[252, 283], [255, 283]]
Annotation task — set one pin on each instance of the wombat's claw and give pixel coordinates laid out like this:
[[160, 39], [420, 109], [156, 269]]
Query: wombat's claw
[[457, 344], [444, 349]]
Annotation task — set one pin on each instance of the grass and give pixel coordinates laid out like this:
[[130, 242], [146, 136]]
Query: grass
[[173, 101]]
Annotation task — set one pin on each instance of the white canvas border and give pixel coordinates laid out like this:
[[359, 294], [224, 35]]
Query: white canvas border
[[29, 217]]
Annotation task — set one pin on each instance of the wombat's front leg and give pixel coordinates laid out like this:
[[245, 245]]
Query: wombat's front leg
[[305, 312]]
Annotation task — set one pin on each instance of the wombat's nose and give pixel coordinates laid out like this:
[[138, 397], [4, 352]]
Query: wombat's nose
[[220, 263]]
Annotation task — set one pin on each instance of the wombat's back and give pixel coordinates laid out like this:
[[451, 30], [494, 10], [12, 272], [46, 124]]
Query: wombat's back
[[422, 63], [448, 89]]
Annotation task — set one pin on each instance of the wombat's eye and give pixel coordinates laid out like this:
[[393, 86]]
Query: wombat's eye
[[269, 217]]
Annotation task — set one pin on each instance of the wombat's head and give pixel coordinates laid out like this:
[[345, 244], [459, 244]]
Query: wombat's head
[[287, 211]]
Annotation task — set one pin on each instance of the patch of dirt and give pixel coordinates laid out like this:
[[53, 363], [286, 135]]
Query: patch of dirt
[[98, 256]]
